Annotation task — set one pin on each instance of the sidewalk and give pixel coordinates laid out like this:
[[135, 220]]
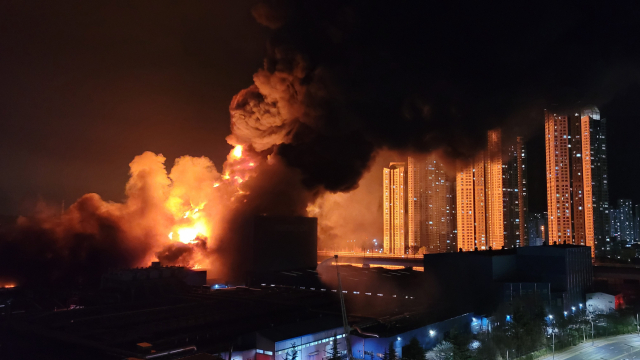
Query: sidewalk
[[585, 347]]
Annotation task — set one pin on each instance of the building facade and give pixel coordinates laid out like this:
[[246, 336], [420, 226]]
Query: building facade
[[636, 222], [537, 229], [614, 229], [465, 206], [395, 201], [494, 186], [594, 136], [491, 197], [577, 175], [515, 195], [558, 184], [624, 217], [436, 206], [414, 196]]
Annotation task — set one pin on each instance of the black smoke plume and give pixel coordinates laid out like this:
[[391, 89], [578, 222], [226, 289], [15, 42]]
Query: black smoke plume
[[344, 78]]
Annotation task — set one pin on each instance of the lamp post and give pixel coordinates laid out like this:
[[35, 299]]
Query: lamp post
[[553, 336]]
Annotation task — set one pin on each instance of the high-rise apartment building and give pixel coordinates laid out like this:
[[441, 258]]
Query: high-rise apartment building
[[594, 159], [431, 206], [636, 222], [436, 206], [577, 175], [624, 215], [479, 198], [451, 222], [394, 200], [414, 196], [577, 181], [614, 230], [465, 205], [495, 196], [537, 229], [558, 183], [515, 195]]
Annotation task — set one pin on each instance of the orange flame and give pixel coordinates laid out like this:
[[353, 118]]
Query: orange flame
[[237, 152], [194, 220]]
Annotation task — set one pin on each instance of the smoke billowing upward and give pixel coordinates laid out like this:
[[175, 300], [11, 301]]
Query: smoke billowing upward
[[344, 78]]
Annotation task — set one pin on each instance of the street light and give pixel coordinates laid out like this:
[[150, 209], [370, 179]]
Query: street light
[[553, 337], [432, 333]]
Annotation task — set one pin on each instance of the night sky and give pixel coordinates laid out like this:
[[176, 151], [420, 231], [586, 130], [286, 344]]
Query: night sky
[[86, 86]]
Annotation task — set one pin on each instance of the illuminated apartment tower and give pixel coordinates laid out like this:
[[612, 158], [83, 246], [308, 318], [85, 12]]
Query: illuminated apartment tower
[[577, 181], [594, 153], [394, 198], [414, 202], [431, 206], [614, 230], [515, 195], [437, 224], [465, 221], [479, 198], [625, 219], [452, 232], [558, 190], [636, 222], [591, 220], [494, 197]]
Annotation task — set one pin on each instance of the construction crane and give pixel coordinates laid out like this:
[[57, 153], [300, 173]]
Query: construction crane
[[345, 323]]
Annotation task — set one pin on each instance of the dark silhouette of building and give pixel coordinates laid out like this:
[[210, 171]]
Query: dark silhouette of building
[[475, 280]]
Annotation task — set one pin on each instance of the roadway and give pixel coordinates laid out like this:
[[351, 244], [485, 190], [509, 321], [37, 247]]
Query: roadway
[[610, 348]]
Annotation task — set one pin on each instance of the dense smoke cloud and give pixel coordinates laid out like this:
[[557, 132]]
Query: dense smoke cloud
[[344, 78]]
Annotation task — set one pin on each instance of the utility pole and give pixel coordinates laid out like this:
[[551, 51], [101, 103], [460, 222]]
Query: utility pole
[[553, 343], [345, 323]]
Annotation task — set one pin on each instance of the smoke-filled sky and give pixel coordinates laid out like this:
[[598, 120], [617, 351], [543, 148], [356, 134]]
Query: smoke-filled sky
[[85, 86]]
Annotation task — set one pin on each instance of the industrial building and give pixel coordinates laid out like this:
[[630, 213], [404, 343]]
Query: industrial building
[[278, 243], [560, 275]]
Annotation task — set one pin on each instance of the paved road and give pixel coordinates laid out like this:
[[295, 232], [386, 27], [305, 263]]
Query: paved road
[[611, 348]]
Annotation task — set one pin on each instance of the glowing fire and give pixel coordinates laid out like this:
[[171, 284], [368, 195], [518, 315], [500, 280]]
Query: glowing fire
[[193, 220], [191, 226], [237, 152]]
